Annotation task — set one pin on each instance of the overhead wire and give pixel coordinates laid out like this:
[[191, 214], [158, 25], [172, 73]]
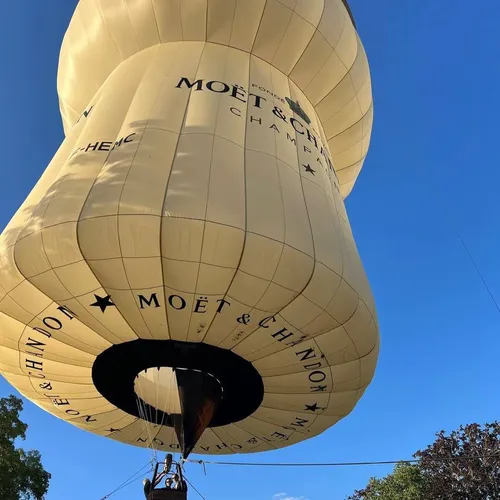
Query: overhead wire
[[133, 478], [454, 228], [467, 251], [339, 464]]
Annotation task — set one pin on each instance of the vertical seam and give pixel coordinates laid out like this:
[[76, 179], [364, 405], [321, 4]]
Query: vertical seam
[[156, 21], [214, 135], [258, 27], [116, 215], [312, 240], [101, 13], [174, 156], [226, 294], [132, 25], [282, 243], [316, 30]]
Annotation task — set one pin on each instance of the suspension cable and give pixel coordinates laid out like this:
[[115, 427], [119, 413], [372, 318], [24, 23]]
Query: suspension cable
[[128, 481], [194, 488]]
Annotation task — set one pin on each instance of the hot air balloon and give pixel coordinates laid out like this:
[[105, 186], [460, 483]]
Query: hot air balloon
[[183, 275]]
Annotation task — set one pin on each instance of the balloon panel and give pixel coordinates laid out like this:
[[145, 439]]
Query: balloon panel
[[196, 206]]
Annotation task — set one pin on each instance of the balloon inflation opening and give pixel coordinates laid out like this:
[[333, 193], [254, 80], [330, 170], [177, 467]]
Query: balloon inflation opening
[[185, 386], [189, 397]]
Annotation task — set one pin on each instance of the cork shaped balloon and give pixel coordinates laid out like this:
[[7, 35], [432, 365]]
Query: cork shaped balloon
[[183, 276]]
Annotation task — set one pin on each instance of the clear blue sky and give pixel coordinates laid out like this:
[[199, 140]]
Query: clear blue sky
[[436, 79]]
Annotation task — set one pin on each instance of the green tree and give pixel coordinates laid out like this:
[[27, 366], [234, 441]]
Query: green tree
[[406, 482], [464, 465], [22, 476]]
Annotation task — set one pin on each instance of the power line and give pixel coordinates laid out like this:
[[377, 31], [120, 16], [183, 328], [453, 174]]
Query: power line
[[453, 225], [133, 478], [341, 464], [467, 251]]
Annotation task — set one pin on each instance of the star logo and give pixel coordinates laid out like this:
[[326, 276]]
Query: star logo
[[114, 430], [295, 107], [314, 408], [309, 169], [102, 302]]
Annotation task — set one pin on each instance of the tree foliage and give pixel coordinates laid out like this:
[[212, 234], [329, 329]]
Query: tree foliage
[[463, 478], [405, 483], [22, 476], [462, 466]]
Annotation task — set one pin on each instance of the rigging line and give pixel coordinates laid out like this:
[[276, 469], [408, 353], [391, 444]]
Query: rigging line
[[148, 412], [148, 409], [343, 464], [147, 417], [194, 487], [127, 481], [131, 482], [142, 413]]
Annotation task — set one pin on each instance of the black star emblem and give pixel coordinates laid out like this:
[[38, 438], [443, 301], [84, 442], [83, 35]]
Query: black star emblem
[[313, 407], [114, 430], [102, 302], [309, 169]]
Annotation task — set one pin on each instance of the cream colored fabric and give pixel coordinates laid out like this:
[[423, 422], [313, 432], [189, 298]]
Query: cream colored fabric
[[192, 203], [313, 42], [158, 388]]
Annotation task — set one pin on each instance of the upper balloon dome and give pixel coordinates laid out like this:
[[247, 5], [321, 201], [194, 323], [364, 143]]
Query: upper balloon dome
[[313, 42]]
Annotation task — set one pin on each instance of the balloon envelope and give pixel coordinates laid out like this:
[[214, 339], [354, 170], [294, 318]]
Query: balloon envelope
[[194, 218]]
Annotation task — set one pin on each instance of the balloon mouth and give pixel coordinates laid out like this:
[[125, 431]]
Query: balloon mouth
[[189, 396], [232, 383], [161, 387]]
